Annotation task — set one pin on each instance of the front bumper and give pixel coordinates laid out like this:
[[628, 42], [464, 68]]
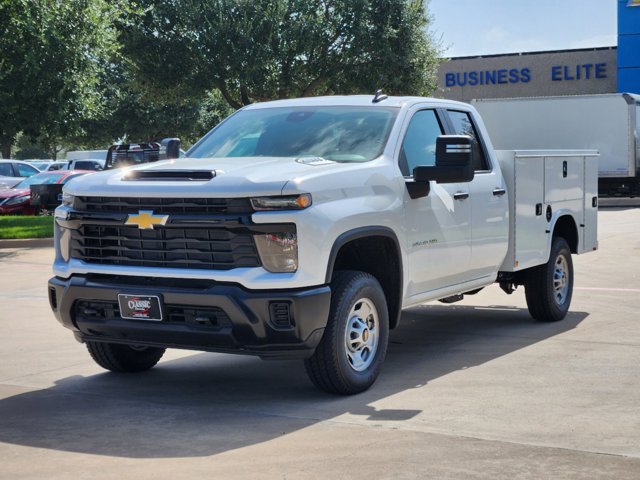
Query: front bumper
[[199, 315]]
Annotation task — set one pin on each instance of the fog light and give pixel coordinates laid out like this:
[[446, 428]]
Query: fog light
[[278, 251]]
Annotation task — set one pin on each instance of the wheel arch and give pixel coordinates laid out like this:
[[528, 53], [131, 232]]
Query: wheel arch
[[375, 250], [566, 227]]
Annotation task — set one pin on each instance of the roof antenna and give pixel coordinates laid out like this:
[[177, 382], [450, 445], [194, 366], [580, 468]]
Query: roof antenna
[[379, 96]]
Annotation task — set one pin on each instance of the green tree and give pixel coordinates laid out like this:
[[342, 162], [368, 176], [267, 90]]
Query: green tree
[[255, 50], [52, 55], [133, 115]]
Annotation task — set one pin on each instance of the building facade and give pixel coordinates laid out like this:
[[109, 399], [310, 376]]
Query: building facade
[[542, 74], [539, 74]]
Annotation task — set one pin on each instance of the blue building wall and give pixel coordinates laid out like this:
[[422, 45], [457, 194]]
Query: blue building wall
[[628, 46]]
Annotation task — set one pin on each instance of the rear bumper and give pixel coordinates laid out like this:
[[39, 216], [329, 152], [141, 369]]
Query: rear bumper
[[198, 315]]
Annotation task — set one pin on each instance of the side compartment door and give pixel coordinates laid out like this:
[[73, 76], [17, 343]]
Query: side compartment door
[[489, 206], [438, 225]]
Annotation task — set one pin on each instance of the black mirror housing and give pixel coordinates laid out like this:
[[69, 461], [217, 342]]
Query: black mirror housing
[[454, 161], [170, 148]]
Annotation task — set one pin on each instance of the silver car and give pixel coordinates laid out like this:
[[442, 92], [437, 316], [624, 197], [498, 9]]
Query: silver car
[[13, 171]]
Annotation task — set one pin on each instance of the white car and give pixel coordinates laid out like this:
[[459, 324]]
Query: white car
[[13, 171], [49, 165], [95, 164]]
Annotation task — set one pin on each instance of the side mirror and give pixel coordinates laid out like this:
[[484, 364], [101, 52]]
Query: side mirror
[[454, 161], [169, 148]]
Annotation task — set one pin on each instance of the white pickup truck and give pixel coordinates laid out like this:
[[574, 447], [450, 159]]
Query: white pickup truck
[[302, 228]]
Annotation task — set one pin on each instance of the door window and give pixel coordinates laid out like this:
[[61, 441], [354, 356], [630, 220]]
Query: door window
[[6, 170], [463, 125], [26, 170], [419, 144]]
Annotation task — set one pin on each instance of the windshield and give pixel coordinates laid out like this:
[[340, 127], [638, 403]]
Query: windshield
[[343, 134], [39, 179]]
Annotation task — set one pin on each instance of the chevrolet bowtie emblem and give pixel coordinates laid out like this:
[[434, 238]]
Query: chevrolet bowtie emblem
[[145, 219]]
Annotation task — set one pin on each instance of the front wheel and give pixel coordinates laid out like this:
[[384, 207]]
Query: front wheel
[[124, 358], [549, 287], [350, 355]]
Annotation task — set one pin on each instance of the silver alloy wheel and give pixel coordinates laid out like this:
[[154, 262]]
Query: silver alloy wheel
[[362, 334], [561, 280]]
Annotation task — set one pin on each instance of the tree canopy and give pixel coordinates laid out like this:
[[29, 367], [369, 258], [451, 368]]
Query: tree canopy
[[52, 54], [256, 50], [88, 72]]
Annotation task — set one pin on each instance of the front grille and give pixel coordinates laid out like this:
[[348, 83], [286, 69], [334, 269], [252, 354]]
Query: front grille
[[178, 314], [193, 248], [165, 206]]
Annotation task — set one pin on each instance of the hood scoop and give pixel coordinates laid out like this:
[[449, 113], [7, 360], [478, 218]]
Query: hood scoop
[[169, 176]]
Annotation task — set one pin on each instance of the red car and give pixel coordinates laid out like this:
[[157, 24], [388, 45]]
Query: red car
[[16, 200]]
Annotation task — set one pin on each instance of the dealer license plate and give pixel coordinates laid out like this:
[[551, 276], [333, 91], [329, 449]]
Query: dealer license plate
[[140, 307]]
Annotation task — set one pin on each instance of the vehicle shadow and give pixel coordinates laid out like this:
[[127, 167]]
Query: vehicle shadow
[[7, 254], [206, 404]]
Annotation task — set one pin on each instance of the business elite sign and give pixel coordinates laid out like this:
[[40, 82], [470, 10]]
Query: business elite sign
[[504, 76]]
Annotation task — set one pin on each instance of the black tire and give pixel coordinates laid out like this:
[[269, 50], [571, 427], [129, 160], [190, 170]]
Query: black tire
[[123, 358], [549, 287], [336, 367]]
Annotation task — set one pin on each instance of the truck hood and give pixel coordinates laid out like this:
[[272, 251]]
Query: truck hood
[[232, 177]]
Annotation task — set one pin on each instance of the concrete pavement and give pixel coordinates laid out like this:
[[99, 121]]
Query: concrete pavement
[[471, 390]]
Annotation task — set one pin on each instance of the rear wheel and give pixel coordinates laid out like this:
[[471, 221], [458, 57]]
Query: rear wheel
[[549, 287], [124, 358], [350, 355]]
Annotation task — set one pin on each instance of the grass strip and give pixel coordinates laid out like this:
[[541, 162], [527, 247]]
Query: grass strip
[[18, 227]]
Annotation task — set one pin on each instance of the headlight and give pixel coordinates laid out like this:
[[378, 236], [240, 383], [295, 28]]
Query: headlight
[[18, 200], [278, 251], [67, 199], [288, 202]]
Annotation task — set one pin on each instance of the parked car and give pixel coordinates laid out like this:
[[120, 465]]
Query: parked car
[[12, 171], [17, 200], [93, 164], [48, 165]]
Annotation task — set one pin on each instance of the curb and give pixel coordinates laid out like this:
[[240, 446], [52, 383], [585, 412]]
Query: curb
[[27, 243]]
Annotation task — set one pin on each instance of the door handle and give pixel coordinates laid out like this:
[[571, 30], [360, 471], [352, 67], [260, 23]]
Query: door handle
[[460, 196], [498, 192]]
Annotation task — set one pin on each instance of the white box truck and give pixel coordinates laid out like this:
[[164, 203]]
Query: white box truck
[[608, 123]]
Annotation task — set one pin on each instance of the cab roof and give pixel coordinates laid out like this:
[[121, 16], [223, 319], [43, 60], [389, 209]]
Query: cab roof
[[352, 100]]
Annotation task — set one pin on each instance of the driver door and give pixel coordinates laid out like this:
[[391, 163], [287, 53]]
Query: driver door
[[438, 226]]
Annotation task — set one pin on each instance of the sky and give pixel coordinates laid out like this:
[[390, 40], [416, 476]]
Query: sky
[[485, 27]]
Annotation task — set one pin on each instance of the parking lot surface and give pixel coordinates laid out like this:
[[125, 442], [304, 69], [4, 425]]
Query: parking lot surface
[[471, 390]]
